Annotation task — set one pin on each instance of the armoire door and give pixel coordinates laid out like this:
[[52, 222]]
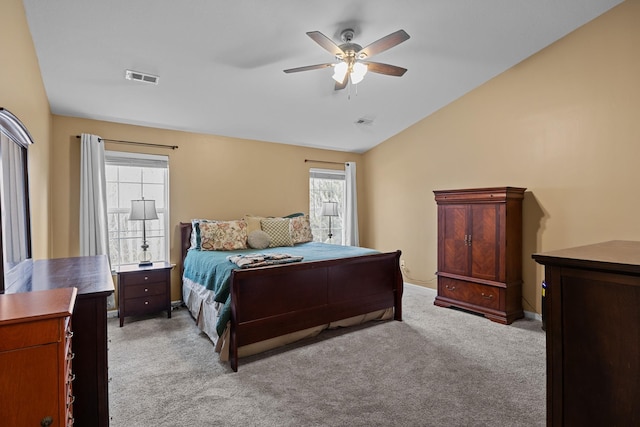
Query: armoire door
[[453, 239], [484, 241]]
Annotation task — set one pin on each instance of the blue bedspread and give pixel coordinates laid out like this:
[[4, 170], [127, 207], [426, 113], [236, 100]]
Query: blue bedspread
[[212, 270]]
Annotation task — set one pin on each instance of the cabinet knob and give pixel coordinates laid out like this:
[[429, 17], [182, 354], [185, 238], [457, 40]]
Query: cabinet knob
[[146, 277], [146, 303], [146, 289], [46, 421]]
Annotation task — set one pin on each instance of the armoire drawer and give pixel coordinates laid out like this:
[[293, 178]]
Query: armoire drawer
[[472, 293]]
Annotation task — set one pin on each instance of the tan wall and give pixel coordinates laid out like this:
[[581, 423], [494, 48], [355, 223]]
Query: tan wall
[[22, 92], [210, 177], [564, 123]]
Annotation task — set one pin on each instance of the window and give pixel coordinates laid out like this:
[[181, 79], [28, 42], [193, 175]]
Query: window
[[132, 176], [15, 235], [326, 185]]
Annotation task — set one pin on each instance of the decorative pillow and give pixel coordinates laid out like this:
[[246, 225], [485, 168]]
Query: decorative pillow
[[258, 239], [253, 222], [223, 235], [301, 229], [195, 232], [278, 231]]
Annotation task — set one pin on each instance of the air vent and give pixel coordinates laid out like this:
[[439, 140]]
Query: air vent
[[364, 122], [141, 77]]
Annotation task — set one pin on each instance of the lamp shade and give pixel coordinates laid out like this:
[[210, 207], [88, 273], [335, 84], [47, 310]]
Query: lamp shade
[[143, 209], [340, 71], [329, 209], [358, 72]]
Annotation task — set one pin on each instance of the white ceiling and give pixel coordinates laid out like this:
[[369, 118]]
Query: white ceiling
[[220, 62]]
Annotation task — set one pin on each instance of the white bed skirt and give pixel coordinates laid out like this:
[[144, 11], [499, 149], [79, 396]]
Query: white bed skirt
[[206, 311]]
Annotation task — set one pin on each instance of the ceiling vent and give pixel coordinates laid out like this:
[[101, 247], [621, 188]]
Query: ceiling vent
[[364, 122], [141, 77]]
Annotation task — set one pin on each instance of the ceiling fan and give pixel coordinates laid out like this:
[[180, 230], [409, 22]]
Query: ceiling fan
[[352, 62]]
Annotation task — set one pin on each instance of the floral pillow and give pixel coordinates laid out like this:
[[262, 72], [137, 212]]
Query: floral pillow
[[223, 235], [300, 228], [195, 232]]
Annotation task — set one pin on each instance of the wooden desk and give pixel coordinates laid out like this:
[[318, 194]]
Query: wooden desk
[[592, 313]]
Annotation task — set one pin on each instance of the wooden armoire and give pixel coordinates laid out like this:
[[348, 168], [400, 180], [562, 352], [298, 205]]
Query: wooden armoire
[[480, 251]]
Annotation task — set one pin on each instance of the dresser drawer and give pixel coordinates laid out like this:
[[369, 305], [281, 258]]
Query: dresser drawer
[[142, 277], [29, 334], [145, 290], [472, 293], [148, 304]]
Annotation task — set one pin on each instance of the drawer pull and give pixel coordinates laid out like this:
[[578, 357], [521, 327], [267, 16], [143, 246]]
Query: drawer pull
[[451, 288], [146, 277], [146, 303], [487, 296], [146, 289]]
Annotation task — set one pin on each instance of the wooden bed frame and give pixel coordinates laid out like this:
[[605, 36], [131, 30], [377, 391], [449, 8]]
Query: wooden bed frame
[[268, 302]]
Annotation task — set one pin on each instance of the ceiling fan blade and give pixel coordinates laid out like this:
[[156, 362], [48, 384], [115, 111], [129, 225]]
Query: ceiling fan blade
[[387, 42], [307, 68], [325, 42], [389, 70]]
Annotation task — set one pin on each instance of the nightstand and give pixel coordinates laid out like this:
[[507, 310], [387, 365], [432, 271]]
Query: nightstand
[[144, 290]]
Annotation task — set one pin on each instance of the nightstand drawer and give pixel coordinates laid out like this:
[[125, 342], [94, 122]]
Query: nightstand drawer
[[149, 289], [142, 277], [148, 304]]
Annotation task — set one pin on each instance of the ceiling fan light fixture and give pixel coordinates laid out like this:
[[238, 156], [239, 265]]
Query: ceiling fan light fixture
[[340, 71], [358, 72]]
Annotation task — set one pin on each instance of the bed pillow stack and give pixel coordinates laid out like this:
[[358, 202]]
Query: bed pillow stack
[[298, 223], [255, 232]]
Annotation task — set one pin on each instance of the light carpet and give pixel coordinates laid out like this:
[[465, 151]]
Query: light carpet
[[439, 367]]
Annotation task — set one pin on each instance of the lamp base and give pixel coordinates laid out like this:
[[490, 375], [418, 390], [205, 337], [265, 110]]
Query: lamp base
[[145, 264]]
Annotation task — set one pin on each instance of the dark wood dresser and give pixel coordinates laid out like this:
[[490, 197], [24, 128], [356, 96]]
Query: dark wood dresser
[[480, 251], [92, 278], [36, 380], [592, 315]]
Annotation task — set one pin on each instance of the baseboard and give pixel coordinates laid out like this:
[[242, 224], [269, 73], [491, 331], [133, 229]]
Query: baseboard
[[532, 315]]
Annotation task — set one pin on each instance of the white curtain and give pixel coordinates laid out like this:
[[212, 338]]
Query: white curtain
[[350, 231], [14, 237], [94, 238]]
